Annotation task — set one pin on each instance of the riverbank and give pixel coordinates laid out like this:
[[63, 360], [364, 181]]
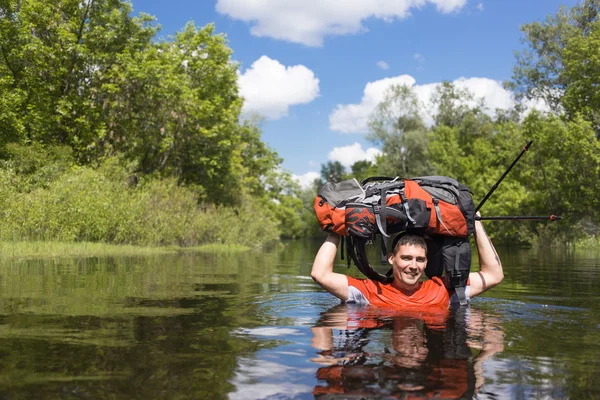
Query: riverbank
[[43, 249]]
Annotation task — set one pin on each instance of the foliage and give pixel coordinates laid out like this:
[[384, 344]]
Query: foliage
[[333, 171], [56, 57], [564, 171], [558, 62], [112, 135], [105, 205], [397, 127], [91, 77], [36, 165], [581, 63], [557, 176], [82, 84]]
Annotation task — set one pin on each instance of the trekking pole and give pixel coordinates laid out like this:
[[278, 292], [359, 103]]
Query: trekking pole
[[520, 217], [503, 175]]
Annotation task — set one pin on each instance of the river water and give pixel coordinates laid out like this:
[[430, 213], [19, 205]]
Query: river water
[[255, 326]]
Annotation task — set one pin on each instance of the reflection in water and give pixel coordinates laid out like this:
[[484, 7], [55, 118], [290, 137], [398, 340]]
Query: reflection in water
[[429, 355], [147, 327], [246, 326]]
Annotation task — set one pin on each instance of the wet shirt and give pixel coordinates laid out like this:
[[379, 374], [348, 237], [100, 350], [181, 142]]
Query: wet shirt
[[432, 293]]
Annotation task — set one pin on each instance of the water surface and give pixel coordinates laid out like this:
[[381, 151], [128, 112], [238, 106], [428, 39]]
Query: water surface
[[255, 326]]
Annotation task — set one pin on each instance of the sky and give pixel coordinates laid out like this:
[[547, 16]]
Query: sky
[[316, 69]]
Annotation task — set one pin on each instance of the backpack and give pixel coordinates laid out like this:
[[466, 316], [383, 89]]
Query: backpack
[[437, 207]]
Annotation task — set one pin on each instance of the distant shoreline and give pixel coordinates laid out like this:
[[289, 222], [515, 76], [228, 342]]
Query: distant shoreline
[[51, 249]]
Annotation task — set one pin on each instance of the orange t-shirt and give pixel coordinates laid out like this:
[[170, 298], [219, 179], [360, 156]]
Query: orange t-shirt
[[431, 294]]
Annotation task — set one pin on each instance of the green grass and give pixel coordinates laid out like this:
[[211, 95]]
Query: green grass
[[48, 249]]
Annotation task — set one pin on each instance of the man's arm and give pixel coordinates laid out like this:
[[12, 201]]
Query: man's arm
[[490, 268], [322, 269]]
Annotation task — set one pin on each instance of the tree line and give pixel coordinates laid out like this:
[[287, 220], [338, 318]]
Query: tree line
[[92, 101], [89, 93], [559, 67]]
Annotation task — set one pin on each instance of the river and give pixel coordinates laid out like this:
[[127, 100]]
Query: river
[[255, 326]]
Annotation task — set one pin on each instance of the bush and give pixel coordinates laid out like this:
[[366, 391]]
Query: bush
[[106, 205]]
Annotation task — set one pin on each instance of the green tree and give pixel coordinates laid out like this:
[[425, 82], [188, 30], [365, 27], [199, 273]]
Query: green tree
[[176, 112], [563, 171], [333, 171], [363, 169], [581, 64], [539, 72], [92, 77], [451, 104], [54, 58], [397, 128]]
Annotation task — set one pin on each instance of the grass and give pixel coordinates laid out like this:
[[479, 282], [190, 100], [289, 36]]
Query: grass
[[43, 249]]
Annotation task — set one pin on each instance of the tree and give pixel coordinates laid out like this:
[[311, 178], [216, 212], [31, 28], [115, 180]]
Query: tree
[[564, 170], [451, 104], [363, 169], [54, 57], [333, 171], [581, 64], [539, 73], [397, 128], [90, 76], [176, 112]]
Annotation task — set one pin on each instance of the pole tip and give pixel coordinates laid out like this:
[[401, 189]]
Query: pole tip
[[555, 218]]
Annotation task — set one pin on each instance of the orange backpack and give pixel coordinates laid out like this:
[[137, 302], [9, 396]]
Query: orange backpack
[[436, 205]]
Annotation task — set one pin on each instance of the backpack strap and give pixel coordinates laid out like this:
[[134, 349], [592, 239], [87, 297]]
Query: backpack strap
[[362, 263], [436, 205], [376, 178], [383, 250], [406, 209], [380, 214], [455, 278]]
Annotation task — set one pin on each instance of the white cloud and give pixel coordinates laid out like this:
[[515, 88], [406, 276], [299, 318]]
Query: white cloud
[[383, 65], [348, 155], [309, 21], [419, 57], [270, 88], [353, 118], [448, 6], [480, 6], [307, 179]]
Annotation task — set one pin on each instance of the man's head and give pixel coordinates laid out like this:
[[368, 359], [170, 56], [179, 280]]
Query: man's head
[[409, 259]]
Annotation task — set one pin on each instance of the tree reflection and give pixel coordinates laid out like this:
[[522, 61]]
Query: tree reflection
[[412, 355]]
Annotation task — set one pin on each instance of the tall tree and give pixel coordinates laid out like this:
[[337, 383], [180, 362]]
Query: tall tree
[[54, 54], [363, 169], [89, 75], [175, 110], [581, 63], [333, 171], [397, 127], [539, 72]]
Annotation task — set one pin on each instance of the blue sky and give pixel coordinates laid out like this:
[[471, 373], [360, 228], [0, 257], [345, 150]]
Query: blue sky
[[315, 69]]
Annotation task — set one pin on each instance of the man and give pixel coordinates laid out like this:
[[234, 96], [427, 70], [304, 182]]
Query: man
[[408, 259]]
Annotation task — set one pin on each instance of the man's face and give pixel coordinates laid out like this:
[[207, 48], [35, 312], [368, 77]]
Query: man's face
[[409, 263]]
